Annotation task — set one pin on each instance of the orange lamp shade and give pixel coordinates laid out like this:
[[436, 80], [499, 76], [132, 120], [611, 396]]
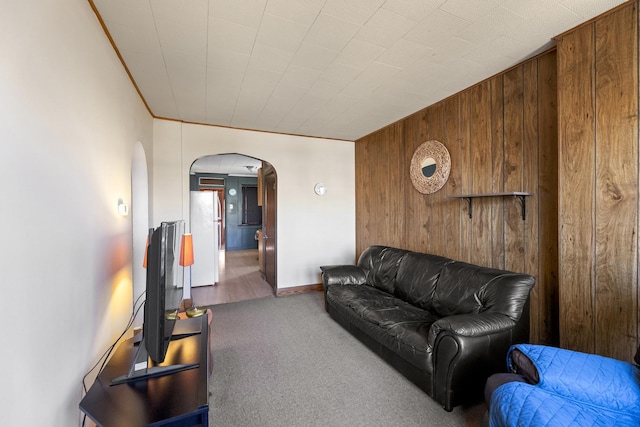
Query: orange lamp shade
[[146, 250], [186, 250]]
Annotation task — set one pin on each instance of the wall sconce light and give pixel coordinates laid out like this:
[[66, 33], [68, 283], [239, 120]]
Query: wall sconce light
[[320, 189], [123, 209]]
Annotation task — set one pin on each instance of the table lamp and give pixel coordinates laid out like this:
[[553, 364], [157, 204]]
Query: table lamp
[[186, 260], [146, 249], [186, 250]]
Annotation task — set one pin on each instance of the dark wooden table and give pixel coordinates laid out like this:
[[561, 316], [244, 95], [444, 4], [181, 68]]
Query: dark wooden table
[[178, 399]]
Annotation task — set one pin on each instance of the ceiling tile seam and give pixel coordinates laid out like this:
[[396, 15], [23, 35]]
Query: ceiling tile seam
[[578, 16], [410, 17], [345, 88], [343, 19], [294, 106], [327, 102], [331, 117], [416, 23], [560, 4], [478, 18], [391, 12], [206, 66], [455, 36], [375, 60], [166, 70], [342, 63], [244, 76], [469, 23], [284, 116]]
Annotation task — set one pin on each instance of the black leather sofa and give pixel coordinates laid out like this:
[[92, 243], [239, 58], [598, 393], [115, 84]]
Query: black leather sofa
[[445, 325]]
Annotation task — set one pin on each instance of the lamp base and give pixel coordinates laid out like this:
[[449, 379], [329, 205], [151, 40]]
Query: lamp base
[[195, 311]]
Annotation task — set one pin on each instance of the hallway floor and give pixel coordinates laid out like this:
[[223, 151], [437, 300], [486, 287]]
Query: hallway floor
[[240, 279]]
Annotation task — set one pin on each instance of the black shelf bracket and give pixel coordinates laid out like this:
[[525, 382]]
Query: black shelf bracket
[[523, 202], [520, 195], [470, 203]]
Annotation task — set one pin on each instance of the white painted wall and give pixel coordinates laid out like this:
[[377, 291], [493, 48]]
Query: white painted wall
[[69, 118], [69, 121], [312, 230], [139, 225], [167, 178]]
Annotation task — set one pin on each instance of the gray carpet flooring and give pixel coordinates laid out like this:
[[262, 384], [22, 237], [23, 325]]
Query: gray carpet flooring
[[284, 362]]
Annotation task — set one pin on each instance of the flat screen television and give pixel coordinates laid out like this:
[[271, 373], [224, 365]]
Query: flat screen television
[[163, 296]]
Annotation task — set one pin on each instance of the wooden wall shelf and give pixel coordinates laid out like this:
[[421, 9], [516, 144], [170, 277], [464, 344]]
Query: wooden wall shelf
[[469, 198]]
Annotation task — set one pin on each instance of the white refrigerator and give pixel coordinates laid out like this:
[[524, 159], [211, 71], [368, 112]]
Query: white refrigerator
[[205, 223]]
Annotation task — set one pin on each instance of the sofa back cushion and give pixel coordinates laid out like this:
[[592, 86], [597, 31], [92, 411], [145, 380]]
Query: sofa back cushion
[[382, 264], [466, 288], [417, 277]]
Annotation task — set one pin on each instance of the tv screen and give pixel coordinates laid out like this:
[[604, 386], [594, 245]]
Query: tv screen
[[163, 296], [164, 291]]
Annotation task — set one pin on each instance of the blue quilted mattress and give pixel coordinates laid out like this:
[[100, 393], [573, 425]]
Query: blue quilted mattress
[[575, 389]]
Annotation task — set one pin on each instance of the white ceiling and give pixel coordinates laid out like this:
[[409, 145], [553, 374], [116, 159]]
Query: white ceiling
[[329, 68], [234, 164]]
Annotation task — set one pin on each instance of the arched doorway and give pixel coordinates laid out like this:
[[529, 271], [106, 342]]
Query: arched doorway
[[244, 216]]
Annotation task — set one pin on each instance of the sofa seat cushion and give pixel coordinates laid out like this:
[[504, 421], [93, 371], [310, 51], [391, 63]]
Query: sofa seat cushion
[[394, 323]]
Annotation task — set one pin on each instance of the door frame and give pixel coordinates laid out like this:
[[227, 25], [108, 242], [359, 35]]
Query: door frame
[[271, 278], [269, 183]]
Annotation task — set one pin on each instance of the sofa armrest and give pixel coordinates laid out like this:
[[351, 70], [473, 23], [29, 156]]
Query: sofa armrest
[[584, 377], [343, 275], [467, 349], [470, 325]]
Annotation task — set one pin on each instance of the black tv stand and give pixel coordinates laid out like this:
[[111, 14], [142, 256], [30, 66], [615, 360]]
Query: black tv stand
[[136, 405], [180, 330], [184, 329], [140, 368]]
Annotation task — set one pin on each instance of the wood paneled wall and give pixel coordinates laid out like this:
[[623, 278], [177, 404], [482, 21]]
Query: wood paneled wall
[[598, 141], [502, 136]]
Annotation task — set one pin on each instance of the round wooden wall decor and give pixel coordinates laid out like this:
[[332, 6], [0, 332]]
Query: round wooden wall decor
[[430, 167]]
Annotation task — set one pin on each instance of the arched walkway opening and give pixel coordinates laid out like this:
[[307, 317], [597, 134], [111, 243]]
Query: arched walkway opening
[[233, 216]]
